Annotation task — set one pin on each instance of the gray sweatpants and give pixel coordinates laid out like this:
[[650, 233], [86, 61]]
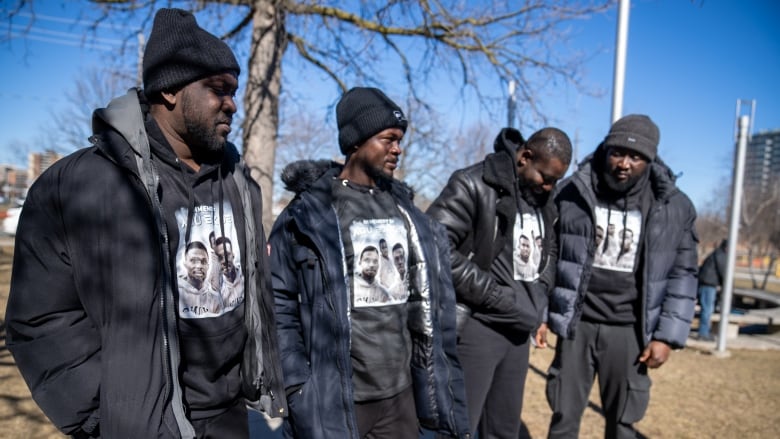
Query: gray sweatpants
[[611, 352]]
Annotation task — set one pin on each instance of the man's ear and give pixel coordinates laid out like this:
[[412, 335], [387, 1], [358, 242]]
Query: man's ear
[[169, 97], [524, 155]]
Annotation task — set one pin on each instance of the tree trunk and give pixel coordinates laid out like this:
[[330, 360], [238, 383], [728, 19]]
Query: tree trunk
[[261, 99]]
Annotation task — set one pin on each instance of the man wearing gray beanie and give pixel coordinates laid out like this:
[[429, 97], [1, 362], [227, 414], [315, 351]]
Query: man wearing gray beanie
[[121, 318], [620, 304], [382, 344]]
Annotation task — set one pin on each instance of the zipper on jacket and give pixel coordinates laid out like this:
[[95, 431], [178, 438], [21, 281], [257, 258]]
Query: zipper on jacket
[[348, 406], [166, 314]]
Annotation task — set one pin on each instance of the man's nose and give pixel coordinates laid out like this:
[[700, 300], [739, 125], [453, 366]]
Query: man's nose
[[229, 105], [624, 162]]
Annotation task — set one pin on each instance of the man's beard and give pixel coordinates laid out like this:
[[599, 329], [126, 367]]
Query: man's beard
[[379, 176], [532, 198], [620, 187], [204, 142]]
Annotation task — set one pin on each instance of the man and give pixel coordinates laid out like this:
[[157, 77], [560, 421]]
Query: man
[[367, 289], [92, 316], [616, 322], [349, 367], [537, 250], [399, 259], [524, 268], [388, 274], [231, 282], [490, 210], [711, 274], [626, 255], [196, 296]]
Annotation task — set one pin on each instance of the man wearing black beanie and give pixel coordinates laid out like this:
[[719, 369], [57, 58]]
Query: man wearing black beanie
[[622, 303], [358, 363], [119, 330]]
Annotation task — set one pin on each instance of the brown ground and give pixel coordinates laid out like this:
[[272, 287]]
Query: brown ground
[[695, 395]]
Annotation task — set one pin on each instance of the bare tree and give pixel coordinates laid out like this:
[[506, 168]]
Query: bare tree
[[712, 220], [72, 125], [472, 45]]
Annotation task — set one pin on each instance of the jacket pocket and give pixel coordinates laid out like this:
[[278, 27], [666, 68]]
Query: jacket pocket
[[637, 399]]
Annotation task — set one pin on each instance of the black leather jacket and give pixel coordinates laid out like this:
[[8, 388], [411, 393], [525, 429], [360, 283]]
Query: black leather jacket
[[478, 207]]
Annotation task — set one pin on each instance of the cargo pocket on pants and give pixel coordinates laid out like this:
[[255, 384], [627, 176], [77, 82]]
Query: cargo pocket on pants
[[637, 400], [552, 389]]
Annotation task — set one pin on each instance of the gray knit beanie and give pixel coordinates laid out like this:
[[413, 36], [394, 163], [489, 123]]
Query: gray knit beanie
[[635, 132], [363, 112], [180, 52]]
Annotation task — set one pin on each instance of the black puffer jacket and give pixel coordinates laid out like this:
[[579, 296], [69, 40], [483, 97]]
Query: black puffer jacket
[[313, 313], [668, 268], [91, 313], [478, 206]]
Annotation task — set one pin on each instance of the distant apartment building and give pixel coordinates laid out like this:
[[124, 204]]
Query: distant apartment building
[[37, 162], [13, 182], [762, 162]]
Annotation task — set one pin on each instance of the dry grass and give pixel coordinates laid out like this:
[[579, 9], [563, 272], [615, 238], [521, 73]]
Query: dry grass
[[695, 395]]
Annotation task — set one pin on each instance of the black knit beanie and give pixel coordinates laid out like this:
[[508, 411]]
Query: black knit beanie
[[180, 52], [635, 132], [363, 112]]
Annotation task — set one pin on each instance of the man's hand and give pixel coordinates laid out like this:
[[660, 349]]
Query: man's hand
[[540, 338], [655, 354]]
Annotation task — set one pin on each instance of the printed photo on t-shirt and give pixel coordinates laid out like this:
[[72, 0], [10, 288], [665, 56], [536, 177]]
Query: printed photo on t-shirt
[[527, 249], [211, 282], [617, 238], [380, 263]]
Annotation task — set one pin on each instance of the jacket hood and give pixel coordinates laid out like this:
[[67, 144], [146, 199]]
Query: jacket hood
[[301, 175], [508, 140], [500, 170], [124, 115]]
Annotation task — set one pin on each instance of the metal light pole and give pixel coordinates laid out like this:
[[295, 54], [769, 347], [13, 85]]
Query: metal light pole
[[139, 71], [731, 253], [620, 59], [511, 105]]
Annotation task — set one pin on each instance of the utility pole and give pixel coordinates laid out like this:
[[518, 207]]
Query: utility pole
[[743, 129], [621, 44], [140, 69]]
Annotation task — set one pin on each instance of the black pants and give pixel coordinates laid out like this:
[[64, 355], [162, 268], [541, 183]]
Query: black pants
[[390, 418], [612, 353], [234, 423], [494, 370]]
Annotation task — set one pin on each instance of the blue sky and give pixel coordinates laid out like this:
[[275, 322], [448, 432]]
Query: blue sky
[[688, 62]]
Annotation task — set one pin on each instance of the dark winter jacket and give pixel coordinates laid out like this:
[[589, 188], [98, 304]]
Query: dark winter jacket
[[668, 264], [91, 317], [478, 206], [713, 269], [313, 313]]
